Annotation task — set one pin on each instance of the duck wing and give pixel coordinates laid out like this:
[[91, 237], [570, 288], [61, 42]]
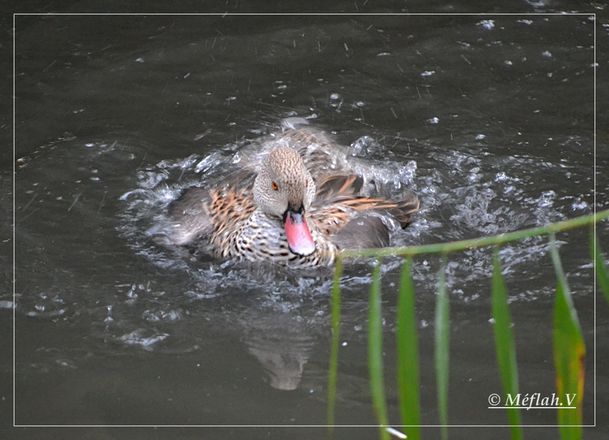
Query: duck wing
[[199, 212], [349, 218], [190, 216]]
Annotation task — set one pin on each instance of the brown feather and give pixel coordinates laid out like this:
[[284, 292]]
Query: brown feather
[[338, 209], [332, 186]]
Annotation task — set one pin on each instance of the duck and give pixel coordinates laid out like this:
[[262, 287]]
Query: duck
[[293, 201]]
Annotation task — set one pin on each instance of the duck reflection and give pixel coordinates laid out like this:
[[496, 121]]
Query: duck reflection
[[282, 341]]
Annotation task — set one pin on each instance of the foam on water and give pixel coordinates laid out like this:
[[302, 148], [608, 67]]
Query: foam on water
[[465, 193]]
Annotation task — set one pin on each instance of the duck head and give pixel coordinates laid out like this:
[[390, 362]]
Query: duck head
[[284, 189]]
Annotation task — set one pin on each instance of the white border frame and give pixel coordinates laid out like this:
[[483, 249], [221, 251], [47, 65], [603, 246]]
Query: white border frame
[[280, 14]]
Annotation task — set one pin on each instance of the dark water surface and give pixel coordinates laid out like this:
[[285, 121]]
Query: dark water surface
[[489, 119]]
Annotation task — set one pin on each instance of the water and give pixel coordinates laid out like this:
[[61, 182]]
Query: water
[[489, 120]]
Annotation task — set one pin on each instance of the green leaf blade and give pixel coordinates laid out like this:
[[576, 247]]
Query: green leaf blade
[[442, 335], [375, 352], [599, 265], [569, 353], [504, 345], [335, 322], [408, 355]]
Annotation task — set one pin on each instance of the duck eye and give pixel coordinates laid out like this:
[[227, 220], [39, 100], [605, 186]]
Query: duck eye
[[274, 186]]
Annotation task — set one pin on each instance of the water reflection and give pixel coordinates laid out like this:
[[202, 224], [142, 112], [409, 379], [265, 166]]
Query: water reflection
[[281, 342]]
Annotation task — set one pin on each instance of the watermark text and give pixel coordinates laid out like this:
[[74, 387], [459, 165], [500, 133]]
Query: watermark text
[[530, 401]]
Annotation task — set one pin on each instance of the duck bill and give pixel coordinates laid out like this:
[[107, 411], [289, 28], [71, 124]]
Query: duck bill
[[298, 234]]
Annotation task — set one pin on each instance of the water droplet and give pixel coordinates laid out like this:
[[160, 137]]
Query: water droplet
[[487, 24], [500, 177], [579, 205], [547, 199], [5, 305]]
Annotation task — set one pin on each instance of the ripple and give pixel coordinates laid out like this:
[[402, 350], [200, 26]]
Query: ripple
[[143, 338]]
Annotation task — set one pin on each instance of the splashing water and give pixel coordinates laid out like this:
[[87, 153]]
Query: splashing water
[[464, 194]]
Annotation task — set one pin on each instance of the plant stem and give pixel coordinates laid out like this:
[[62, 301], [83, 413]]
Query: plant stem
[[460, 245], [333, 368]]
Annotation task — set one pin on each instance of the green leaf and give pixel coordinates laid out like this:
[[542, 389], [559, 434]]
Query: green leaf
[[569, 353], [375, 351], [333, 369], [599, 265], [442, 335], [504, 344], [408, 355]]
